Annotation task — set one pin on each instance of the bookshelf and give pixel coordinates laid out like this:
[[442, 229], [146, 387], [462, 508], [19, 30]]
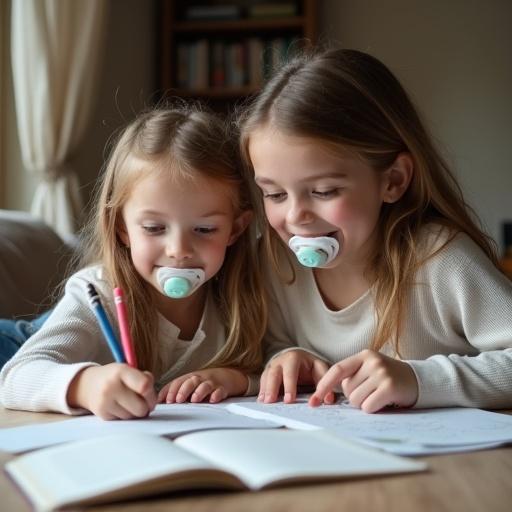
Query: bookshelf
[[223, 51]]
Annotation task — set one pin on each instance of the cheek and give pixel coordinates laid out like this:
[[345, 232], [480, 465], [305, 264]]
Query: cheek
[[142, 251], [274, 215]]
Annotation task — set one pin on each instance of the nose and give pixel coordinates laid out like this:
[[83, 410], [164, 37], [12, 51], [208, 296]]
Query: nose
[[178, 246], [299, 212]]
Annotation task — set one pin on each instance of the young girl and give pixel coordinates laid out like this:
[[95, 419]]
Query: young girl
[[383, 275], [173, 204]]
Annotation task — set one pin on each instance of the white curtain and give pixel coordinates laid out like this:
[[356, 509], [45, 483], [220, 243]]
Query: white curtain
[[55, 58]]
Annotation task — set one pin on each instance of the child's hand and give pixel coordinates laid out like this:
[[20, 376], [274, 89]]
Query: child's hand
[[289, 369], [114, 391], [369, 380], [215, 383]]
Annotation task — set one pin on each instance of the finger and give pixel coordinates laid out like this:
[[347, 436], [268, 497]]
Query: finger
[[202, 391], [133, 404], [263, 380], [174, 387], [362, 392], [114, 412], [334, 376], [290, 375], [162, 394], [273, 384], [218, 395], [187, 388], [382, 397], [318, 371], [150, 394], [351, 383], [141, 383]]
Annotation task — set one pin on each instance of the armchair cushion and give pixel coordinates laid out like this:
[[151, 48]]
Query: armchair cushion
[[33, 261]]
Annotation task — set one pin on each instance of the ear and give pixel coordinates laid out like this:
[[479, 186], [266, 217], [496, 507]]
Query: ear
[[239, 226], [397, 178], [122, 233]]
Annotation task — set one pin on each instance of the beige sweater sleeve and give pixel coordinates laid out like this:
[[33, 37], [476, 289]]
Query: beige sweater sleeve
[[38, 376], [473, 327]]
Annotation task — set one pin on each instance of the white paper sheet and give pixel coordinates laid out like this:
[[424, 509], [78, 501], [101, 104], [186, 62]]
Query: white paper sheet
[[167, 419], [405, 432]]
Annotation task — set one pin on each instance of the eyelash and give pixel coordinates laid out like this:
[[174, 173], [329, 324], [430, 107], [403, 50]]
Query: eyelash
[[157, 230], [153, 230], [205, 231], [279, 196], [326, 194], [274, 197]]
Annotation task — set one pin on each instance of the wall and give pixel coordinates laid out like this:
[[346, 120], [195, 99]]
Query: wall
[[455, 58], [126, 84]]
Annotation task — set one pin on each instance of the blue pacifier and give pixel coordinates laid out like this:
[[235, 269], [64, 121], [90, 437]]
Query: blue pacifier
[[314, 252], [177, 283]]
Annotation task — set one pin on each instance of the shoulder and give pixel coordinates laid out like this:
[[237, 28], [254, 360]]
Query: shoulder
[[440, 246], [94, 275], [454, 260]]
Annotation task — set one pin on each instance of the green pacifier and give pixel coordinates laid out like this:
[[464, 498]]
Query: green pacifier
[[315, 251], [177, 287], [311, 257], [178, 283]]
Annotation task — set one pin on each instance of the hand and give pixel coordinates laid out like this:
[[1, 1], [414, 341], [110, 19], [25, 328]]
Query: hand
[[114, 391], [289, 369], [370, 381], [215, 383]]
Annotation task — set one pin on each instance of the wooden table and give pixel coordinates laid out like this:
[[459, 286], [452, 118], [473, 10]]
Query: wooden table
[[467, 482]]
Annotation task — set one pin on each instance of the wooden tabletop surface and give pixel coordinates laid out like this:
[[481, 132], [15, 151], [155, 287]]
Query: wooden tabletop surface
[[479, 481]]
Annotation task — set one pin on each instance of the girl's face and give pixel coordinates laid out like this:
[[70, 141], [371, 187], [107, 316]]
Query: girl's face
[[180, 224], [310, 191]]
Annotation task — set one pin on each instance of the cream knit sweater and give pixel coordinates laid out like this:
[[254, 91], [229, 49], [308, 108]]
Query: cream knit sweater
[[457, 335], [38, 376]]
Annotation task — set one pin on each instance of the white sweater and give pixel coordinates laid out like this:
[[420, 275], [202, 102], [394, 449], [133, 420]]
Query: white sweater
[[38, 376], [457, 334]]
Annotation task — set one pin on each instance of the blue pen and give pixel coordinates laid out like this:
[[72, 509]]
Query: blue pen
[[105, 326]]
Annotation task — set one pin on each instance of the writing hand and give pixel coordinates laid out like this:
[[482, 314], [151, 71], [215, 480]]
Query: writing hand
[[290, 369], [113, 391], [370, 381], [215, 383]]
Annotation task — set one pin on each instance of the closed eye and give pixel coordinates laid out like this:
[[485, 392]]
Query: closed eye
[[153, 229], [275, 197], [325, 194], [205, 230]]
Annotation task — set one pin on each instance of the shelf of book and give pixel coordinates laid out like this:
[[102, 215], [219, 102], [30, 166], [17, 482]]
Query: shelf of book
[[239, 25], [225, 51]]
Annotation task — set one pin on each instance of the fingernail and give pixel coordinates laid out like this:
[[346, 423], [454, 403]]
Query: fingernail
[[287, 397]]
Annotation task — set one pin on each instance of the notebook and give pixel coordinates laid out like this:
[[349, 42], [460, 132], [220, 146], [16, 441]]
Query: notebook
[[111, 468]]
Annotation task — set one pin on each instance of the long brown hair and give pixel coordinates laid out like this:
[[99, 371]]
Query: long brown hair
[[185, 142], [350, 100]]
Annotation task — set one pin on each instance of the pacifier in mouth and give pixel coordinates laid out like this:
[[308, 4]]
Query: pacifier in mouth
[[178, 283], [314, 252]]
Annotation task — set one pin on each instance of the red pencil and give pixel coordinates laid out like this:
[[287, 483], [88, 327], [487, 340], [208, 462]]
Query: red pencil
[[124, 327]]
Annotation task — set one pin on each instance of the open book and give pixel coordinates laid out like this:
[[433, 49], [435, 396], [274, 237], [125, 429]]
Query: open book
[[138, 464]]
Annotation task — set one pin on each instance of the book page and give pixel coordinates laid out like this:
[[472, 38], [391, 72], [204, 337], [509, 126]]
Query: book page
[[431, 428], [96, 470], [167, 419], [261, 458]]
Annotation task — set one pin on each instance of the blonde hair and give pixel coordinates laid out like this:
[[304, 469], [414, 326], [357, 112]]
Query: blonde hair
[[350, 100], [185, 142]]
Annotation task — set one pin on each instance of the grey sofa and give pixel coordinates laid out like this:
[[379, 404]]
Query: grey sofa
[[33, 261]]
